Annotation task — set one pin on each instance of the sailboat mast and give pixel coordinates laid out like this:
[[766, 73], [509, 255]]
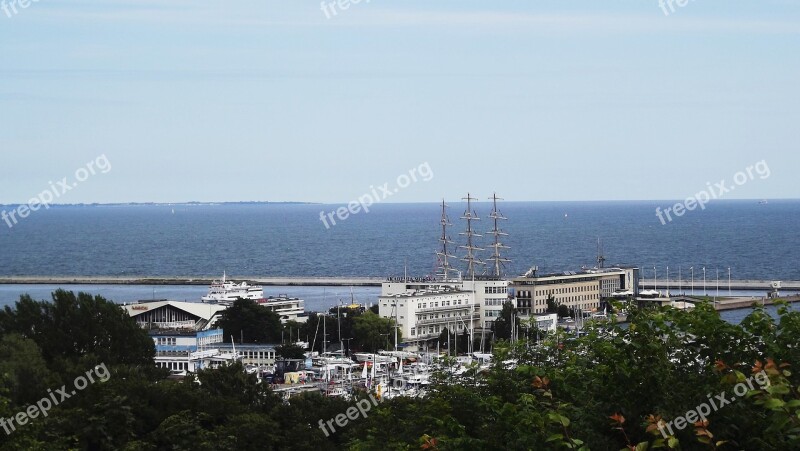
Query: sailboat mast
[[444, 255], [497, 258], [471, 257]]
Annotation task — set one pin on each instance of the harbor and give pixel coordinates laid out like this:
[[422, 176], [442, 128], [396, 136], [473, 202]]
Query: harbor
[[683, 285]]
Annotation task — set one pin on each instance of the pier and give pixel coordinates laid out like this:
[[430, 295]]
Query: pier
[[266, 281], [685, 286], [673, 284]]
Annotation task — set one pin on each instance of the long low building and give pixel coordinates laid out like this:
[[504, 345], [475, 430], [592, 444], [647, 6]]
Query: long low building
[[175, 314], [583, 290]]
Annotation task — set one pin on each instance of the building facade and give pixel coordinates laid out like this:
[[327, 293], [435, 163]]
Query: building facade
[[422, 314], [583, 290]]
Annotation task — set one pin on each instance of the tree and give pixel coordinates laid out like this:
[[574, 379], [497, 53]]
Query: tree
[[246, 320], [552, 306], [563, 311], [372, 333], [76, 332], [502, 325], [290, 351]]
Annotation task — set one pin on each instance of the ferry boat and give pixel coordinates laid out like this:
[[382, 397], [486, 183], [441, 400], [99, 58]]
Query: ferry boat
[[225, 292]]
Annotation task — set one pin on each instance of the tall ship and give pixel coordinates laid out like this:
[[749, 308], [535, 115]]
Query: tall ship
[[225, 291]]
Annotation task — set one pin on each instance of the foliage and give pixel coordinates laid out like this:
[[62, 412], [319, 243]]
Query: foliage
[[290, 351], [616, 388], [249, 322]]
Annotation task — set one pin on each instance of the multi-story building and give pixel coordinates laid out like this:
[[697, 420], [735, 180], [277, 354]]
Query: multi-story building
[[583, 290], [422, 313], [490, 295], [183, 333]]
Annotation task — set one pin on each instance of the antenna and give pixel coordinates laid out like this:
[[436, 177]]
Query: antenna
[[601, 259], [470, 258], [496, 216], [444, 268]]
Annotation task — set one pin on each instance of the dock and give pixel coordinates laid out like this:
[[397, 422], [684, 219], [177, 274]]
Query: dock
[[685, 286], [266, 281], [672, 285]]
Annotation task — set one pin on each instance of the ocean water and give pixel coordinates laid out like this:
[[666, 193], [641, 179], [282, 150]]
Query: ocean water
[[755, 241]]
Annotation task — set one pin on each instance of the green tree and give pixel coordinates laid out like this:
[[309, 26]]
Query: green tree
[[78, 332], [552, 306], [290, 351], [253, 323], [373, 333], [502, 325]]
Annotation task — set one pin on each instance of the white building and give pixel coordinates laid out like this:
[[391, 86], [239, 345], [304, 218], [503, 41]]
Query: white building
[[424, 313], [487, 294], [175, 314]]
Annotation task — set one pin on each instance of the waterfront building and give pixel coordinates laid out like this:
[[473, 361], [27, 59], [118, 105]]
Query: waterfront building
[[186, 350], [584, 290], [174, 314], [422, 313], [288, 308]]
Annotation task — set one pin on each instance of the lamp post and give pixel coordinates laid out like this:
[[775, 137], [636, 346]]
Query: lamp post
[[680, 281], [655, 279], [705, 291], [692, 269], [717, 282], [729, 281]]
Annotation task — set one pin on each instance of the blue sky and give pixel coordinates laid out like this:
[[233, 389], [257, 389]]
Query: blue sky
[[272, 100]]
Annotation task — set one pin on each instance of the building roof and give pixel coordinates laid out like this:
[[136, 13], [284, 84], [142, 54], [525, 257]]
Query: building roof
[[198, 309]]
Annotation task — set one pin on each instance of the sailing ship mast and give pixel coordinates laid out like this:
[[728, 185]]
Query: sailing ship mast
[[496, 257], [471, 258], [444, 256]]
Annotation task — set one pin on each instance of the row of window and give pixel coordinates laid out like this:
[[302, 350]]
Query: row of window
[[258, 355], [444, 303], [178, 366], [494, 302], [495, 290], [166, 341], [433, 329], [443, 315]]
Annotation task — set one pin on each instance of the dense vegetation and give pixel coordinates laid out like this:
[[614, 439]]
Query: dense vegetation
[[605, 391]]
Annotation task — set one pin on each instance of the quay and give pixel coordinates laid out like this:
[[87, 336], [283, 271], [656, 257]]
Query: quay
[[672, 284], [203, 280], [711, 285]]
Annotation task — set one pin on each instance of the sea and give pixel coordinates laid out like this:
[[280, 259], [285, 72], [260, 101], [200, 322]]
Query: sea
[[755, 240]]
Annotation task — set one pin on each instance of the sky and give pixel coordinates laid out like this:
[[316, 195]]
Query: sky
[[293, 100]]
